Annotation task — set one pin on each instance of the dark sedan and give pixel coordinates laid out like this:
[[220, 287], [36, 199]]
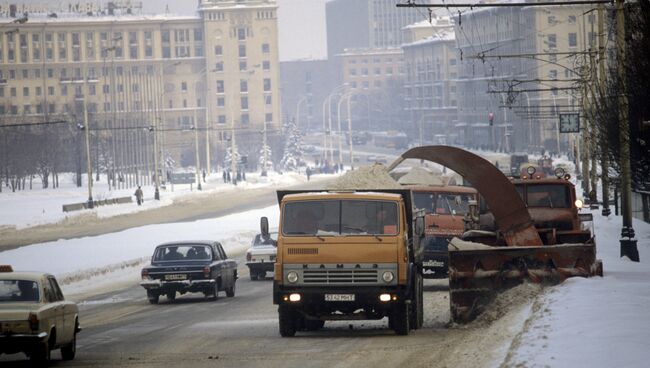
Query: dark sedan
[[189, 266]]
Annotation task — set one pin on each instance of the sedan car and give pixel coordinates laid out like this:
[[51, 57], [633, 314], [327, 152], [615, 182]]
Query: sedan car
[[35, 318], [260, 257], [189, 266]]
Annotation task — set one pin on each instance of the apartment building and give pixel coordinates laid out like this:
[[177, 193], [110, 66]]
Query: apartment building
[[218, 72]]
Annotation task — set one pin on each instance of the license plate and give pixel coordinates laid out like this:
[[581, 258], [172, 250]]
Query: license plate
[[175, 277], [339, 297]]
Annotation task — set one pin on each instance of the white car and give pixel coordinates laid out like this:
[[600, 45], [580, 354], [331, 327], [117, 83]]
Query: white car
[[34, 316], [260, 257]]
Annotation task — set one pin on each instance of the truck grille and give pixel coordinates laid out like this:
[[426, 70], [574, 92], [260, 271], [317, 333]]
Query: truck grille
[[339, 276], [302, 251]]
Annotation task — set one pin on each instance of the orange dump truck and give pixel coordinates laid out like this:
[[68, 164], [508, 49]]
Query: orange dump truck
[[347, 255], [445, 208]]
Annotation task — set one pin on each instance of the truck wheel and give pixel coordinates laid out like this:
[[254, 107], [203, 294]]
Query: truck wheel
[[153, 297], [230, 292], [401, 319], [417, 304], [288, 321], [69, 351]]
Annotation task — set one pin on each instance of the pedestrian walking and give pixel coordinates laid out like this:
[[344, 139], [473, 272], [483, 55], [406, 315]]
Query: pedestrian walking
[[308, 172], [138, 196], [224, 177], [204, 176]]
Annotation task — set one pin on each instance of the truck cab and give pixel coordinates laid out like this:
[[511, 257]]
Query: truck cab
[[347, 255], [444, 208]]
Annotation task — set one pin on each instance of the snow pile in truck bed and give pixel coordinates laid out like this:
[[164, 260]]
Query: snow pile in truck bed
[[366, 177], [421, 176]]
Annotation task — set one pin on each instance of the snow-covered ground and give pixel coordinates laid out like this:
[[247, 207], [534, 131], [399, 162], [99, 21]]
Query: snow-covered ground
[[38, 206]]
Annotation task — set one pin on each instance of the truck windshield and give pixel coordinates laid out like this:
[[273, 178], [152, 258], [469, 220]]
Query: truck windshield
[[553, 196], [18, 291], [340, 217], [183, 252], [442, 203]]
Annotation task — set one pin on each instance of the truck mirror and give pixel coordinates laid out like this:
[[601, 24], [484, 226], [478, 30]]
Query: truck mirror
[[264, 226], [419, 226]]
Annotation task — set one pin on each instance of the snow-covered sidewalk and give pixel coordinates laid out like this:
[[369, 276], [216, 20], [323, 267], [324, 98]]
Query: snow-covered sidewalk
[[38, 206], [596, 322]]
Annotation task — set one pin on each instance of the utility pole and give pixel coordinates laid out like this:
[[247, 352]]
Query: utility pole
[[91, 204], [350, 134], [628, 242], [604, 160]]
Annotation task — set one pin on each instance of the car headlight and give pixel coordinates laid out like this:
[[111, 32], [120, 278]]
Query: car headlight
[[387, 276], [578, 203], [292, 277]]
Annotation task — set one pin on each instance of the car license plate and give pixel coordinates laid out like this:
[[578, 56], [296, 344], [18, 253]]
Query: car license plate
[[339, 297], [175, 277]]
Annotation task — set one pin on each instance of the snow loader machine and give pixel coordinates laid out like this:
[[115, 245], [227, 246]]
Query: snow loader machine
[[529, 230]]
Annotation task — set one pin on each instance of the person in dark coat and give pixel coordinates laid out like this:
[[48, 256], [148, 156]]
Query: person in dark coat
[[139, 196], [308, 172], [224, 177]]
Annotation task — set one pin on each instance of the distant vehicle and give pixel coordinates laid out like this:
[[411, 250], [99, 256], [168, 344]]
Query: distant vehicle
[[381, 159], [260, 257], [516, 160], [189, 266], [371, 158], [395, 140], [35, 318], [308, 148]]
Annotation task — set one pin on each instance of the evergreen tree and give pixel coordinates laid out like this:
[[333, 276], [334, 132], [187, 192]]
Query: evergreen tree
[[293, 148]]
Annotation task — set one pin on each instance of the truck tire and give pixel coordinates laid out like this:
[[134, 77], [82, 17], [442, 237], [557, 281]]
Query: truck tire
[[417, 304], [171, 296], [288, 321], [401, 319]]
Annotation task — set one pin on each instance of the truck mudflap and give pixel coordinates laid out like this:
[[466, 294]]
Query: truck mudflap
[[477, 273]]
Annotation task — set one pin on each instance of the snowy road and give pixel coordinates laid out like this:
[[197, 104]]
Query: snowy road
[[123, 329]]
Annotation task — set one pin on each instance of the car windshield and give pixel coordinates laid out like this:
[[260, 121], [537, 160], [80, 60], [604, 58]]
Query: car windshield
[[442, 203], [340, 217], [189, 252], [260, 241], [18, 291]]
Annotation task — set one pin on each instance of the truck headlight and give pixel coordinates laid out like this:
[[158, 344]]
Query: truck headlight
[[578, 203], [387, 276], [292, 277]]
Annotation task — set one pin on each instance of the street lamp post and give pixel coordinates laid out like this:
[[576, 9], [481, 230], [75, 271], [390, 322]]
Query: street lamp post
[[91, 204], [195, 127]]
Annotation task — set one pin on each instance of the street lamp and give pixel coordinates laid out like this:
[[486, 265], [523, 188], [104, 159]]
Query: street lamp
[[85, 128], [328, 101]]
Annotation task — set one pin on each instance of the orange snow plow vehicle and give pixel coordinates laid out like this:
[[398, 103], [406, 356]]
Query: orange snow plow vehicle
[[445, 207], [532, 232]]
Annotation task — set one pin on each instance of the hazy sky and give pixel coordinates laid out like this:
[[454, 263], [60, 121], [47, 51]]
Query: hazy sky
[[301, 25]]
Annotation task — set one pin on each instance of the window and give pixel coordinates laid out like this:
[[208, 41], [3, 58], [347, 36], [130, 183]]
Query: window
[[242, 51], [353, 71], [364, 71], [27, 109], [218, 67], [245, 118], [267, 99], [218, 50], [572, 19], [50, 91], [551, 19], [25, 91], [266, 48], [244, 103], [243, 86], [267, 84], [241, 34], [25, 73], [198, 34], [242, 65], [377, 71], [64, 90], [552, 74], [221, 119], [573, 39], [50, 73], [266, 65], [12, 91], [220, 86], [552, 41], [221, 102], [184, 87]]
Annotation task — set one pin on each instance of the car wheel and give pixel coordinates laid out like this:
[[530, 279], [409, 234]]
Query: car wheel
[[230, 292], [288, 321], [153, 297], [401, 319], [215, 291], [171, 296], [40, 356], [69, 351], [313, 325]]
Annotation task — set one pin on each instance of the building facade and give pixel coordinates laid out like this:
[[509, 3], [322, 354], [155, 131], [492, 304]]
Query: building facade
[[522, 71], [217, 72], [430, 82]]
